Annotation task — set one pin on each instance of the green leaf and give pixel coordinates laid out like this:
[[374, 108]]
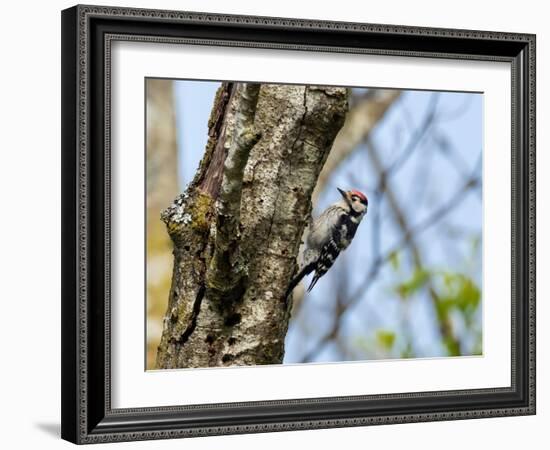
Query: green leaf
[[476, 242], [459, 292], [385, 339], [413, 284], [394, 260], [452, 346], [407, 352], [469, 295]]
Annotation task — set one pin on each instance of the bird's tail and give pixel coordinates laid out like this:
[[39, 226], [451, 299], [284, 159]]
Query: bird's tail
[[314, 281], [307, 269]]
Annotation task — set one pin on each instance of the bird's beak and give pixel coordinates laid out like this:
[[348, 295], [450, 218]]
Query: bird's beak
[[343, 193]]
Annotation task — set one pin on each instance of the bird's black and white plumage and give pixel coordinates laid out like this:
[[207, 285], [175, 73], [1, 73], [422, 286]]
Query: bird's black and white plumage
[[330, 234]]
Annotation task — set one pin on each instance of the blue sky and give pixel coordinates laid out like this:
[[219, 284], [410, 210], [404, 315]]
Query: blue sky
[[193, 104]]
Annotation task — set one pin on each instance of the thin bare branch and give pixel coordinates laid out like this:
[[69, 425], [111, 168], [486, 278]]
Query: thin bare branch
[[411, 146], [403, 223], [419, 228], [360, 121]]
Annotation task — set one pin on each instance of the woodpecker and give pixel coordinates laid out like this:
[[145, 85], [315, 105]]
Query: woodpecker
[[331, 233]]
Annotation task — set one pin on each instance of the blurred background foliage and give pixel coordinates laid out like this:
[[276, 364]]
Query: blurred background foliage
[[410, 284]]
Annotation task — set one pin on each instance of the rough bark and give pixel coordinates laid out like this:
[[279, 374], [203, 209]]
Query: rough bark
[[237, 229]]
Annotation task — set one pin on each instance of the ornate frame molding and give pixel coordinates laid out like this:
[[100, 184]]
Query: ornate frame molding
[[87, 421]]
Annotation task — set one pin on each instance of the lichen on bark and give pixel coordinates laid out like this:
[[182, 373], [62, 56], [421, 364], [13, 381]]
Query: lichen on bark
[[237, 229]]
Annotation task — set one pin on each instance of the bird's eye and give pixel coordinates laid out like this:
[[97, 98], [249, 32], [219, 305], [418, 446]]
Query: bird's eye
[[354, 198]]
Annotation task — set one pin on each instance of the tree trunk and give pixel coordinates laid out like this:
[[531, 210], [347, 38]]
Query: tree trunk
[[237, 229]]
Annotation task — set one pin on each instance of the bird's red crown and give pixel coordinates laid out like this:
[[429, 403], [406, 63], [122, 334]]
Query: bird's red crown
[[359, 194]]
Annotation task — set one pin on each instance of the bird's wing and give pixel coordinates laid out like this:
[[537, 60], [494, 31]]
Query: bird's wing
[[336, 241], [323, 227]]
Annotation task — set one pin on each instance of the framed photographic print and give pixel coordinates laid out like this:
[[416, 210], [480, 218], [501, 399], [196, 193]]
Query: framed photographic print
[[281, 224]]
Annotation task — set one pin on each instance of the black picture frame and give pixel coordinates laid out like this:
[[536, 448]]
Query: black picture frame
[[87, 32]]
